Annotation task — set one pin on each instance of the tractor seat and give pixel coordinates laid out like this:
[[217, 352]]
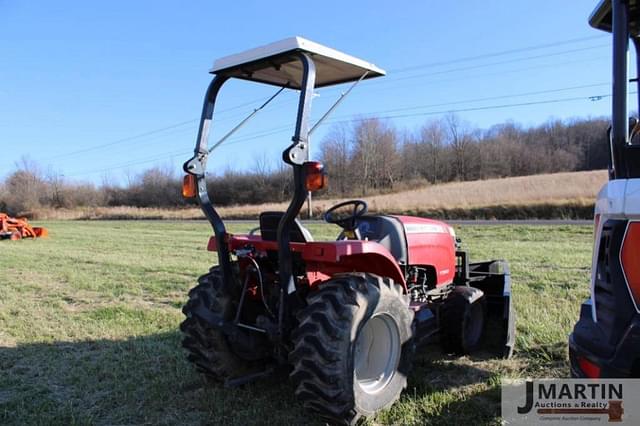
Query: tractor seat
[[388, 232], [269, 228]]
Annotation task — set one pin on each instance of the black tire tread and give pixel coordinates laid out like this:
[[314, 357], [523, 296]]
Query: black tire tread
[[319, 354], [207, 347]]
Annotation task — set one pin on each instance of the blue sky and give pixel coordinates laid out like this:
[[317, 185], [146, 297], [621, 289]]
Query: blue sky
[[78, 75]]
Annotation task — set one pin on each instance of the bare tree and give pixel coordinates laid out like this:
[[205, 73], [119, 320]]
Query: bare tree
[[56, 186], [460, 141], [432, 138], [261, 170], [336, 151], [375, 156], [26, 189]]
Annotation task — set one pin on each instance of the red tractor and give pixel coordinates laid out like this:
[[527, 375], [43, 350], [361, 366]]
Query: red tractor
[[344, 316]]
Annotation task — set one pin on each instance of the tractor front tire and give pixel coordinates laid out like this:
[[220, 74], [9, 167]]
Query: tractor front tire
[[208, 348], [463, 325], [353, 347]]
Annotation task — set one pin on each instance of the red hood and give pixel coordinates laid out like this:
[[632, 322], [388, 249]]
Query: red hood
[[431, 242], [421, 225]]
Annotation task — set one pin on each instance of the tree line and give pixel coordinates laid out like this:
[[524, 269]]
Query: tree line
[[372, 155], [362, 158]]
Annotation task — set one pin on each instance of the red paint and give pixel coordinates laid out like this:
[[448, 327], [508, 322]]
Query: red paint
[[252, 283], [324, 259], [589, 369], [430, 243], [212, 245]]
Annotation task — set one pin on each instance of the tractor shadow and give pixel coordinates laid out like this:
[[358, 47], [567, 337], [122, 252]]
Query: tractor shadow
[[139, 380], [147, 380], [448, 389]]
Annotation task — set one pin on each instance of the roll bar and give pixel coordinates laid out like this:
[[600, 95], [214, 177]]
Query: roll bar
[[295, 155]]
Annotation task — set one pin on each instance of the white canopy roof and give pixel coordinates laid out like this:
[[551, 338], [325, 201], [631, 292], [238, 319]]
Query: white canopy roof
[[276, 64]]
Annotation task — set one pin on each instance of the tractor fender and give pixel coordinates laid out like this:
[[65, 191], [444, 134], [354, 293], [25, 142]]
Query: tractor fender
[[471, 294], [324, 260], [379, 263]]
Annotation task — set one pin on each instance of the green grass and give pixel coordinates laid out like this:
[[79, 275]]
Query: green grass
[[89, 329]]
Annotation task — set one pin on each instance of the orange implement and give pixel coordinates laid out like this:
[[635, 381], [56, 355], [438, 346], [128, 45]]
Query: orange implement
[[18, 228]]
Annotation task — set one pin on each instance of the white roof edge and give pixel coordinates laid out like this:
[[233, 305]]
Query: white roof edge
[[288, 44]]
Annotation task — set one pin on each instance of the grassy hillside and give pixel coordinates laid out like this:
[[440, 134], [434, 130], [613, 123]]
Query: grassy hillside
[[89, 329], [558, 195]]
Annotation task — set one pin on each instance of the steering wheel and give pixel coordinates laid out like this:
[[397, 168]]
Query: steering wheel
[[345, 214]]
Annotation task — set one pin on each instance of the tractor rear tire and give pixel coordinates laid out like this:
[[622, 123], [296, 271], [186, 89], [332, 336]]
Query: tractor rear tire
[[463, 325], [208, 348], [353, 347]]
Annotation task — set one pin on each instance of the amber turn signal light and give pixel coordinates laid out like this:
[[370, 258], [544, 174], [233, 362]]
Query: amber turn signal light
[[189, 186], [315, 177]]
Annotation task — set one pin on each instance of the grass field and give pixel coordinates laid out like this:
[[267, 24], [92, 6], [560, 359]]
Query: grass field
[[548, 196], [89, 329]]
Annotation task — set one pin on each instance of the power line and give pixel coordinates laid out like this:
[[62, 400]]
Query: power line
[[149, 139], [475, 76], [495, 54], [492, 98], [381, 82], [161, 132], [289, 101], [119, 141], [148, 133], [489, 107], [344, 118], [390, 80], [510, 61], [353, 118], [164, 156], [167, 155]]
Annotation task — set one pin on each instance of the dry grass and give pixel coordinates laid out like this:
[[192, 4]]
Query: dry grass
[[558, 189], [118, 213], [539, 189]]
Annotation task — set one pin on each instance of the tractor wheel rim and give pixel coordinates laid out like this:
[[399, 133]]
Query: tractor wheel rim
[[377, 353]]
